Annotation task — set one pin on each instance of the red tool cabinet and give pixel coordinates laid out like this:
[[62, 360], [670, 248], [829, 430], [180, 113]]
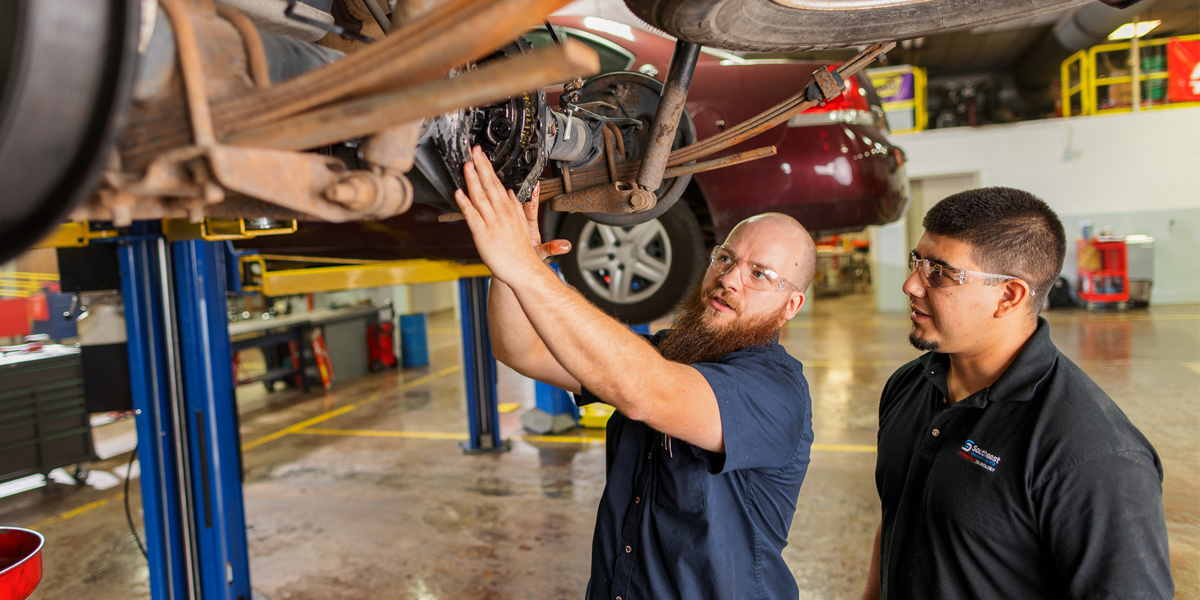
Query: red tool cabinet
[[1110, 283]]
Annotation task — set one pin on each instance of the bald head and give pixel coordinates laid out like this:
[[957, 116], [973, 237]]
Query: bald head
[[787, 239]]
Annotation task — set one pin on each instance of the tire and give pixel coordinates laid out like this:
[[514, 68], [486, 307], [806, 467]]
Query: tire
[[772, 26], [54, 145], [668, 260]]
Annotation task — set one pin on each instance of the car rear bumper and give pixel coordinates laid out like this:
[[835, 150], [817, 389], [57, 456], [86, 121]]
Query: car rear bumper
[[834, 177]]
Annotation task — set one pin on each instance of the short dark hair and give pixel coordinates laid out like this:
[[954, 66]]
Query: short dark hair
[[1011, 232]]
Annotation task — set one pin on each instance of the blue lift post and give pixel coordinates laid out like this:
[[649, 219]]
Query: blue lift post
[[182, 381], [555, 410], [479, 370]]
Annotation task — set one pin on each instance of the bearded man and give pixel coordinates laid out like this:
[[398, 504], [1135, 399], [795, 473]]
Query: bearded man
[[711, 440]]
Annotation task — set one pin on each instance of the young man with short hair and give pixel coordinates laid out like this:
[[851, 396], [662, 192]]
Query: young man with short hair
[[1004, 471], [711, 442]]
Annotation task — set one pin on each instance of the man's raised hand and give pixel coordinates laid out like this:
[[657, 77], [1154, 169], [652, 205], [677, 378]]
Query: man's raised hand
[[551, 248], [505, 232]]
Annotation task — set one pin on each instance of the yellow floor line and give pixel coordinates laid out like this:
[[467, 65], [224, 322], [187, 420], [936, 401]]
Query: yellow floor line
[[435, 435], [1193, 366], [71, 514], [430, 377], [507, 407], [422, 435], [565, 439], [299, 426], [556, 439], [342, 410]]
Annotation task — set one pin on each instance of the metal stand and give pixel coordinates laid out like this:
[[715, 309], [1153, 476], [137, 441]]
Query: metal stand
[[479, 370], [182, 384]]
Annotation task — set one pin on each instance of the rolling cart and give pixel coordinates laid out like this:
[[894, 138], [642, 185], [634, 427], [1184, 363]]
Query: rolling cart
[[1103, 273], [44, 422]]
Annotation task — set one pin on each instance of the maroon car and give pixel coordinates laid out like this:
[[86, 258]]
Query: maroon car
[[835, 170]]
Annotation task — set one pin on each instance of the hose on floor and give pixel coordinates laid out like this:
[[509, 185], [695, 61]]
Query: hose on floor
[[128, 515]]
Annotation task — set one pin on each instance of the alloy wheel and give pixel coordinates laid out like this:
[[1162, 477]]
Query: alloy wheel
[[624, 265]]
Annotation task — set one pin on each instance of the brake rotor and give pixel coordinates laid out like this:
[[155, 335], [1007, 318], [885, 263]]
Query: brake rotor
[[633, 95], [511, 133]]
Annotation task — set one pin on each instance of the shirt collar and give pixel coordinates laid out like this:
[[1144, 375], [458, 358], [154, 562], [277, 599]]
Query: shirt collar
[[1019, 382]]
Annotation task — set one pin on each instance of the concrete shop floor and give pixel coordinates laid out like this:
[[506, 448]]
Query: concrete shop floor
[[378, 502]]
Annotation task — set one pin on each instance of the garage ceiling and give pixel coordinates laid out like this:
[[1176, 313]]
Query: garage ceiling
[[996, 48]]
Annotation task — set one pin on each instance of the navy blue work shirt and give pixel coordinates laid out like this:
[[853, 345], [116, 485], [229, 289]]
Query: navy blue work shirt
[[677, 521]]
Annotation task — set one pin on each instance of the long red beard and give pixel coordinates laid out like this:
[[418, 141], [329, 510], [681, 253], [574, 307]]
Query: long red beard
[[695, 339]]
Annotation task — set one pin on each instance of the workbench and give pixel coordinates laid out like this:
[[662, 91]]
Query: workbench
[[262, 333]]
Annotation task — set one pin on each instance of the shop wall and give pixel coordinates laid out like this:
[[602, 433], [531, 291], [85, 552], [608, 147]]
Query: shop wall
[[1139, 173]]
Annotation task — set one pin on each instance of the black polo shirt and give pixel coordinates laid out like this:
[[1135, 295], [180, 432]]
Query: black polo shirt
[[1036, 487], [676, 521]]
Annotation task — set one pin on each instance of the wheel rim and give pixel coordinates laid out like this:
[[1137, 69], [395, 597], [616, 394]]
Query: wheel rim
[[624, 265]]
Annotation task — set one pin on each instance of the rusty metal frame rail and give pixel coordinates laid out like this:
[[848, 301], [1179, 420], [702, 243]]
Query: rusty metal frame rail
[[593, 177], [488, 83], [772, 117], [420, 52]]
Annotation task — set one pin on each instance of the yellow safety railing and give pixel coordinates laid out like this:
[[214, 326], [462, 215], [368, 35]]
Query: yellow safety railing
[[1079, 75], [14, 284], [1089, 80]]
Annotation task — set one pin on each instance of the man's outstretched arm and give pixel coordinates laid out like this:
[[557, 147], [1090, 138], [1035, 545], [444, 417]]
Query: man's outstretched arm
[[600, 353], [514, 341]]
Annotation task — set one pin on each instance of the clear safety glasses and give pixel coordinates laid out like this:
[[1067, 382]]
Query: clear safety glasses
[[939, 275], [755, 276]]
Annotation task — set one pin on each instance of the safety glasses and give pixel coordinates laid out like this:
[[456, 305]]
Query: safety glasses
[[754, 276], [938, 275]]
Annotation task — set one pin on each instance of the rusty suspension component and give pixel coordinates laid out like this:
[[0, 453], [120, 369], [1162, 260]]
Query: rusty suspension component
[[551, 188], [764, 121], [774, 116], [422, 51], [201, 174], [670, 109], [255, 56], [489, 83]]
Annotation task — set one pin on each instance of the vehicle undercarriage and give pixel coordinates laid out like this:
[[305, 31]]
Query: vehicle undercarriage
[[211, 111]]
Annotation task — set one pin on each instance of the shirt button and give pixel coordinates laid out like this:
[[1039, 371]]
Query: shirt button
[[648, 454], [936, 433], [628, 549], [637, 500]]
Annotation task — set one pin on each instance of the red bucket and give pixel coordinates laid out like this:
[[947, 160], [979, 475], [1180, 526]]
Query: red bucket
[[20, 562]]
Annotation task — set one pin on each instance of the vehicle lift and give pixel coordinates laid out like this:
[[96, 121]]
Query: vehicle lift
[[184, 395]]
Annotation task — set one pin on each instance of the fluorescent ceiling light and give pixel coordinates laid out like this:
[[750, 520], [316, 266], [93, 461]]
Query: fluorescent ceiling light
[[620, 30], [1125, 31]]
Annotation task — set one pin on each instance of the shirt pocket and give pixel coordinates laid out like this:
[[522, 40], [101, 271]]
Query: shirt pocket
[[682, 484]]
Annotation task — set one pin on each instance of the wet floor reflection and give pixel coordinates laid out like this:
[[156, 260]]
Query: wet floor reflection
[[354, 516]]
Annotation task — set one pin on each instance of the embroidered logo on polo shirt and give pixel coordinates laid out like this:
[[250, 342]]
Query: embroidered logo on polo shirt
[[972, 452]]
